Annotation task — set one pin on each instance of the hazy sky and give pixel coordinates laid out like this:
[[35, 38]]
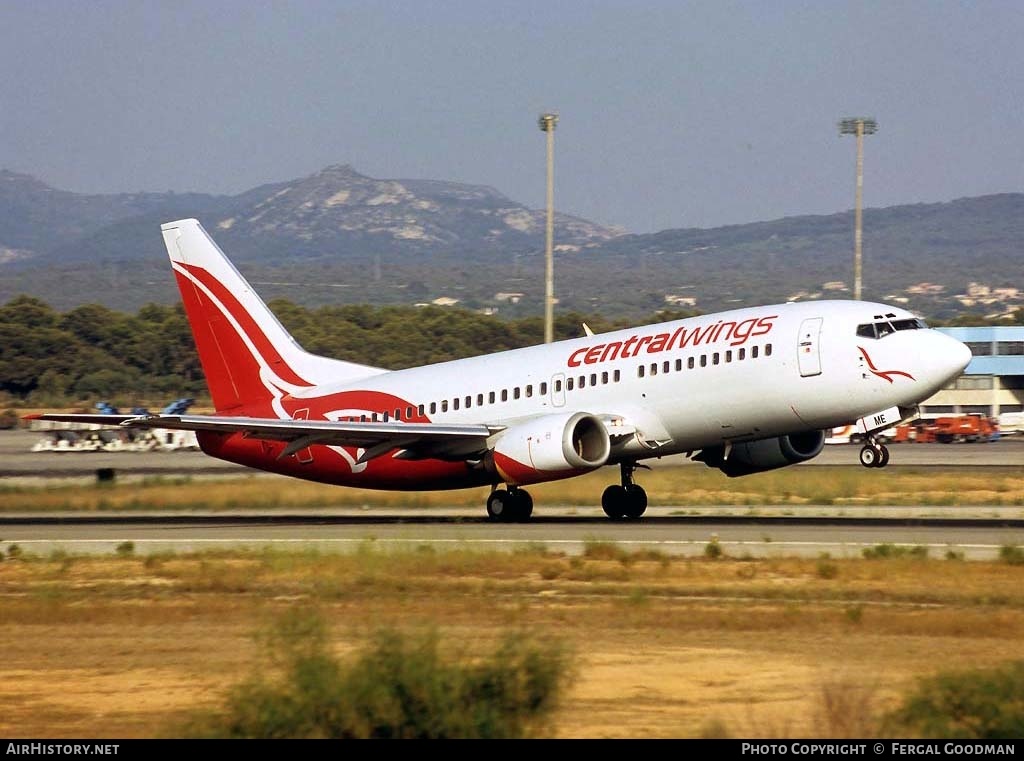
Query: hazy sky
[[672, 114]]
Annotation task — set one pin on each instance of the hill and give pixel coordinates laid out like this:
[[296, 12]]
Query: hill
[[340, 237]]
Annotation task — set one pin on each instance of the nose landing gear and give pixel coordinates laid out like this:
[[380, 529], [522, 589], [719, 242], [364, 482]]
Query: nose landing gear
[[874, 455], [628, 500]]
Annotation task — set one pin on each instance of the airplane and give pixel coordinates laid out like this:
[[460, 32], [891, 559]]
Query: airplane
[[744, 391]]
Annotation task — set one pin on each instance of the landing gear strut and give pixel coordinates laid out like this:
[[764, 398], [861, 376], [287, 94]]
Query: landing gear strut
[[874, 455], [627, 500], [514, 505]]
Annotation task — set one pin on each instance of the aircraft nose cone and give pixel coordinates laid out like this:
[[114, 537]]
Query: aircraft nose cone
[[955, 356], [960, 356]]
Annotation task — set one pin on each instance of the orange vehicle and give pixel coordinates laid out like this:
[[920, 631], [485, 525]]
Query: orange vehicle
[[972, 427]]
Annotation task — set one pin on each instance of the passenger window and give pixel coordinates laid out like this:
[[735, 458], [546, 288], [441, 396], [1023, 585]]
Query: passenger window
[[385, 417], [433, 407], [408, 413], [373, 417], [479, 400], [398, 413], [767, 350], [689, 363], [568, 384], [362, 418], [504, 395], [742, 355], [558, 386], [679, 365], [616, 376], [666, 366], [640, 371], [654, 368], [515, 392], [529, 391], [544, 389], [604, 378], [703, 360], [753, 352], [583, 381], [422, 410], [490, 397], [728, 355], [444, 406], [593, 379]]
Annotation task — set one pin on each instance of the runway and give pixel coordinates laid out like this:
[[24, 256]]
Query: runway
[[565, 531]]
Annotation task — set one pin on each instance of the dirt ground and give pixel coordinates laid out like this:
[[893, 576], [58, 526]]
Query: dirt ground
[[126, 647]]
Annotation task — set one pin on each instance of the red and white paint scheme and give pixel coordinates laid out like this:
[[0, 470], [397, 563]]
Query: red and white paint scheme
[[743, 391]]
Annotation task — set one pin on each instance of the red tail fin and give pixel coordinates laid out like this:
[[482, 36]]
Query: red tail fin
[[248, 357]]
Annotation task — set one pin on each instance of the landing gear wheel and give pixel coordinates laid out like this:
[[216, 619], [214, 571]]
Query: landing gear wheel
[[625, 500], [869, 456], [883, 456], [636, 501], [509, 506], [613, 501], [500, 505], [524, 505]]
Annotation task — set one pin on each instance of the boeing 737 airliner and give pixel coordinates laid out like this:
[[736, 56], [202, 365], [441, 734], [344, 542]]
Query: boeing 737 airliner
[[742, 391]]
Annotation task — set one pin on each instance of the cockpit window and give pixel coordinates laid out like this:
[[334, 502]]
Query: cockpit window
[[882, 328]]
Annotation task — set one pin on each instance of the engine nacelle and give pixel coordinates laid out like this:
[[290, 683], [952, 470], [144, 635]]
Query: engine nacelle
[[765, 454], [548, 448]]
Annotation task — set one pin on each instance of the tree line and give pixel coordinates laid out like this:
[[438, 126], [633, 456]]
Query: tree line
[[49, 358]]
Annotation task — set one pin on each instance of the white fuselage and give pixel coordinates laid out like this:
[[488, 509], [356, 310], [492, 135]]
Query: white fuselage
[[733, 376]]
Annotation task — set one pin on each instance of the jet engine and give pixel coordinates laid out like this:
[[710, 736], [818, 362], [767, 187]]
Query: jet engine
[[766, 454], [548, 448]]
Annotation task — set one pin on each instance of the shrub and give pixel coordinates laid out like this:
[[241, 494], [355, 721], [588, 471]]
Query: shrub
[[396, 687], [983, 704], [596, 549], [1011, 554], [887, 551], [713, 549], [125, 549], [826, 569]]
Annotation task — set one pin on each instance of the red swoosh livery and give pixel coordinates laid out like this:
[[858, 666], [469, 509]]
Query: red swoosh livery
[[883, 374]]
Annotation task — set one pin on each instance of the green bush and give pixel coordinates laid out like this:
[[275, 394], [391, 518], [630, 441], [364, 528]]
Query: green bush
[[826, 569], [713, 549], [984, 704], [887, 551], [1011, 554], [397, 687], [125, 549]]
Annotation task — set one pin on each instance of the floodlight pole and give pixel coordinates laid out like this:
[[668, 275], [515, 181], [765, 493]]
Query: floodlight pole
[[547, 122], [858, 126]]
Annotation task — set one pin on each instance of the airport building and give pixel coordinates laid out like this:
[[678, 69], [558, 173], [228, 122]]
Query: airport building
[[993, 383]]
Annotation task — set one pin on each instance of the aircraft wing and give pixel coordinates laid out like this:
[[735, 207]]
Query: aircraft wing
[[418, 440]]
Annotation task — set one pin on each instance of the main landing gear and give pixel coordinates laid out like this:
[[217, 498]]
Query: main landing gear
[[626, 501], [510, 506], [874, 455]]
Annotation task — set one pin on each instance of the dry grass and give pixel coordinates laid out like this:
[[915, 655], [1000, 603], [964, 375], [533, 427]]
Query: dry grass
[[118, 646], [687, 485]]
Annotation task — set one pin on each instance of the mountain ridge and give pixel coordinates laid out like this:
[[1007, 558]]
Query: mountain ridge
[[340, 236]]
